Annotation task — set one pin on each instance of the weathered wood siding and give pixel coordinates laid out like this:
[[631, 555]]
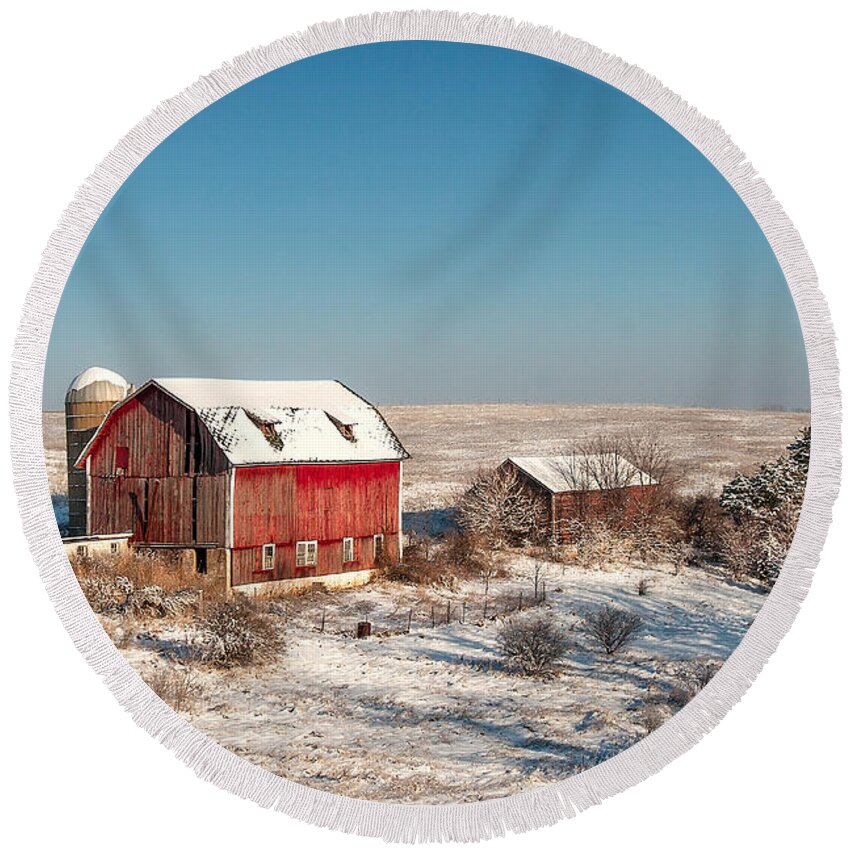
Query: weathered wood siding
[[174, 487], [621, 504], [285, 504]]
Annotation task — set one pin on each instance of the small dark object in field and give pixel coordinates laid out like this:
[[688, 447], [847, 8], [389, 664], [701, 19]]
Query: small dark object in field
[[532, 644], [613, 628], [643, 586], [364, 630]]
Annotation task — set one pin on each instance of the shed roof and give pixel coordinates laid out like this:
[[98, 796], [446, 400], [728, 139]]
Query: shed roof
[[572, 473], [282, 422]]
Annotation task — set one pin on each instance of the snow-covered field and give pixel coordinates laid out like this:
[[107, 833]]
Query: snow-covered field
[[450, 442], [432, 716]]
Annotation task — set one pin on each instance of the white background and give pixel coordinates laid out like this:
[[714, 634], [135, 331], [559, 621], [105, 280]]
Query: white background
[[76, 77]]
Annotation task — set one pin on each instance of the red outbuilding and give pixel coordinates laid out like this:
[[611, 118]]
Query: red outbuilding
[[575, 489], [261, 481]]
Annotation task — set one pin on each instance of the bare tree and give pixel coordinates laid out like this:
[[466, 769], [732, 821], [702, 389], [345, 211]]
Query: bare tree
[[598, 463], [538, 571], [500, 509], [606, 465], [647, 450]]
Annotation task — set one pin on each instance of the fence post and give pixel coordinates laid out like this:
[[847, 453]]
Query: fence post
[[520, 600], [448, 612], [409, 619], [463, 614], [322, 628], [433, 621]]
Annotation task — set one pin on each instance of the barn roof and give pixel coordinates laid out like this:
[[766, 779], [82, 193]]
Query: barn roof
[[281, 422], [571, 473]]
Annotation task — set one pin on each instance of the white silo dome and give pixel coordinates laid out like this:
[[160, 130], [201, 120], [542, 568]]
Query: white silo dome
[[98, 384]]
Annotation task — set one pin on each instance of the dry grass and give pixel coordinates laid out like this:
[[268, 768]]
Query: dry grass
[[143, 569], [141, 585], [459, 556], [179, 686]]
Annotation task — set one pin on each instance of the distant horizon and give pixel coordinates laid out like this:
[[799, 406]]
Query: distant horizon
[[476, 403], [436, 223]]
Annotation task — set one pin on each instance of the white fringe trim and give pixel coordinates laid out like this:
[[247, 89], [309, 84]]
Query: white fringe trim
[[402, 822]]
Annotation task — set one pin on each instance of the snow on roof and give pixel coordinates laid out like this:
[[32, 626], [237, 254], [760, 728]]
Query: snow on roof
[[93, 375], [271, 422], [569, 473]]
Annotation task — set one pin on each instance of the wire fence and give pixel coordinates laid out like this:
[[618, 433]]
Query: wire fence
[[430, 615]]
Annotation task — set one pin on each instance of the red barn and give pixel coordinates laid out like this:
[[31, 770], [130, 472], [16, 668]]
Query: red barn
[[576, 488], [262, 481]]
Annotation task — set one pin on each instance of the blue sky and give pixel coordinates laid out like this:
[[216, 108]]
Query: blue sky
[[435, 222]]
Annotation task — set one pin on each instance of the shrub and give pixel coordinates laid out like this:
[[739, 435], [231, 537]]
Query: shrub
[[613, 628], [532, 645], [596, 543], [652, 715], [237, 633], [690, 677], [117, 595], [457, 557], [643, 586], [702, 520], [177, 686]]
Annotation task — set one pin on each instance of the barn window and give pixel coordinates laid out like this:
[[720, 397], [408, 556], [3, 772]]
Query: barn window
[[268, 557], [347, 550], [201, 562], [122, 458], [306, 553], [378, 545], [113, 548], [82, 551]]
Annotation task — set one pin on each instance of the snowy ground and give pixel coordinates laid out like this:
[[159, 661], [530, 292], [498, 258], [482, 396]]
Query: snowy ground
[[431, 716]]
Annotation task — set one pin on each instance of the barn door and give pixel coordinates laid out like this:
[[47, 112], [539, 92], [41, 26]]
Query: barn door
[[137, 493]]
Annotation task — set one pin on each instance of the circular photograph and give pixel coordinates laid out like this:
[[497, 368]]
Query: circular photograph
[[426, 422]]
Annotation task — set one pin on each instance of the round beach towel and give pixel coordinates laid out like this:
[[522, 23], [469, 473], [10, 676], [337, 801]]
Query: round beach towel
[[426, 425]]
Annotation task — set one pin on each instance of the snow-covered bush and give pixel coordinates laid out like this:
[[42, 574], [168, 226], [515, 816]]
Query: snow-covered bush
[[153, 601], [612, 628], [532, 645], [117, 595], [99, 590], [237, 633], [764, 509], [499, 509]]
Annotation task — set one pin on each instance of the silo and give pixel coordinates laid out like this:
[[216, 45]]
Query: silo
[[89, 398]]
